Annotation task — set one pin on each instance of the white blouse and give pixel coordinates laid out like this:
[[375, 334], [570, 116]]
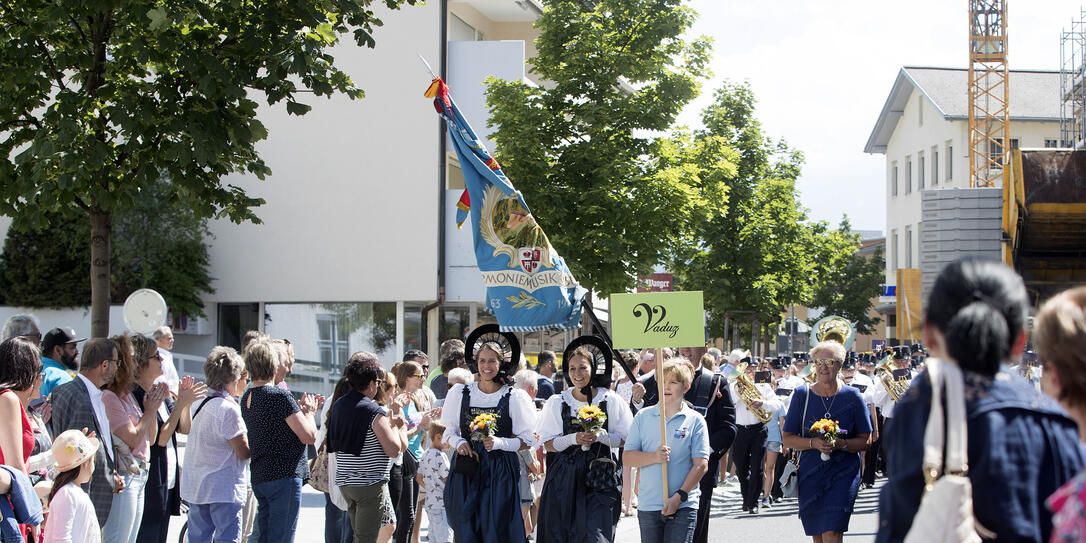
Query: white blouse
[[521, 410], [71, 517], [619, 416]]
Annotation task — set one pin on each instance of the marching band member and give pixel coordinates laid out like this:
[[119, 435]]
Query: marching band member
[[572, 508], [482, 496], [866, 386], [751, 432]]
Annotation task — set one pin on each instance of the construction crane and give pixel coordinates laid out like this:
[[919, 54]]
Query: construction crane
[[989, 93]]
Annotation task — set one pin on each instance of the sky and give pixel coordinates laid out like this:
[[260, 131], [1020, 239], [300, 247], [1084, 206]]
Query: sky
[[821, 71]]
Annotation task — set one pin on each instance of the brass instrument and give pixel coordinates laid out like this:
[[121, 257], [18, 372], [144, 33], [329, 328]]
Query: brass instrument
[[895, 387], [748, 392], [833, 328]]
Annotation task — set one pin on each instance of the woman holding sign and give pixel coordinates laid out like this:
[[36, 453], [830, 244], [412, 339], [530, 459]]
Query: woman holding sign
[[669, 514], [828, 423], [581, 500], [487, 422]]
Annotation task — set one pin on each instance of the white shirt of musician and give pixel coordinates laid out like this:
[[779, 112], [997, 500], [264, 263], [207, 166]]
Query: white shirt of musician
[[882, 398], [770, 402]]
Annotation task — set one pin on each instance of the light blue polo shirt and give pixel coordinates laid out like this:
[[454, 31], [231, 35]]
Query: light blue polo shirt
[[688, 437]]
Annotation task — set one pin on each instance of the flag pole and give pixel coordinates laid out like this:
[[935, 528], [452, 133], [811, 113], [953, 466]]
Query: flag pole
[[428, 68], [607, 337], [663, 418]]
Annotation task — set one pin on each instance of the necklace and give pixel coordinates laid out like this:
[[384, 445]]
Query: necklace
[[827, 408]]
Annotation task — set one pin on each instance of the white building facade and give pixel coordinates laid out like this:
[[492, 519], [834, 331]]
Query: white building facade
[[923, 129]]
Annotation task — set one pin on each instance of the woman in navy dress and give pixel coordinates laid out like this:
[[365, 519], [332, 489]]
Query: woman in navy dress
[[827, 488], [570, 512], [484, 507]]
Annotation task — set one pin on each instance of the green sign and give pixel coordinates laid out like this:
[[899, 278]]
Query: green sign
[[658, 319]]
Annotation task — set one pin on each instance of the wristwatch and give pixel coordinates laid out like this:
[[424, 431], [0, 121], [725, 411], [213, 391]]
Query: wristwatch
[[683, 495]]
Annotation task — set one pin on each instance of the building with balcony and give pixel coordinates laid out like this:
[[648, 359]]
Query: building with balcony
[[358, 249]]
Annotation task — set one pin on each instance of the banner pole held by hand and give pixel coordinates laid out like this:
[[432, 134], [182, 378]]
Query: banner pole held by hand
[[663, 418]]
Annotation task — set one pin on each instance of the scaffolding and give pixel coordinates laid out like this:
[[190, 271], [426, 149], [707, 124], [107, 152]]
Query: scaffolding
[[988, 92], [1072, 85]]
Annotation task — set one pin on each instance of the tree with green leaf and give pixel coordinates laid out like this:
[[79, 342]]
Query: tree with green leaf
[[100, 99], [846, 279], [158, 243], [753, 257], [582, 149]]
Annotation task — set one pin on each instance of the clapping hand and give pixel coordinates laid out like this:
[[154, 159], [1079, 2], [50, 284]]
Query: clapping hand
[[400, 401], [188, 391], [310, 403], [155, 397], [638, 392]]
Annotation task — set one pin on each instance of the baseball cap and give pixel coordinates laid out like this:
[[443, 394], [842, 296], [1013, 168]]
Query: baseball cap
[[59, 336]]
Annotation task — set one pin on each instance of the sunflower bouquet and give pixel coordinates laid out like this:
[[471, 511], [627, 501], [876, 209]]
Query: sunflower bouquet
[[483, 426], [828, 431], [591, 419]]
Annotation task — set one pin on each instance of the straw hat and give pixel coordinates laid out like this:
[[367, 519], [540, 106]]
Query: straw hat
[[72, 448]]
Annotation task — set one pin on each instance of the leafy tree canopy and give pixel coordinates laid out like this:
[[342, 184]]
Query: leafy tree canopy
[[99, 99], [159, 244], [848, 280], [581, 146]]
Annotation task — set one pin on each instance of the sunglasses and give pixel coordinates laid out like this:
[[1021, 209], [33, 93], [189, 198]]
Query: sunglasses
[[826, 362]]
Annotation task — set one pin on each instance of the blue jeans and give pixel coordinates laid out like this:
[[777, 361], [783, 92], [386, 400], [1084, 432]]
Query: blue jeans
[[277, 504], [337, 523], [126, 513], [655, 529], [214, 522]]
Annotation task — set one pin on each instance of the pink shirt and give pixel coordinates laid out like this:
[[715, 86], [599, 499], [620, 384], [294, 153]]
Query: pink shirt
[[124, 410]]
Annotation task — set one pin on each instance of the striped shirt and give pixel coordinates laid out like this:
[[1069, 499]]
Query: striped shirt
[[364, 469]]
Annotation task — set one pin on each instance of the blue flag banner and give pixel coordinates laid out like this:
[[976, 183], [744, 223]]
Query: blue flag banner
[[528, 285]]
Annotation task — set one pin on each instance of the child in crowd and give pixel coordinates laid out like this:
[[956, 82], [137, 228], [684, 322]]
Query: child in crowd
[[71, 513], [433, 470]]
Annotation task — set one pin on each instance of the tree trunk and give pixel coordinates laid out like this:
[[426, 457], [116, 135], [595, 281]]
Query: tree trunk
[[100, 235]]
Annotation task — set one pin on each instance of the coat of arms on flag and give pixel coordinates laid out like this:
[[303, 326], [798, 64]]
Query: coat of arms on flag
[[528, 285]]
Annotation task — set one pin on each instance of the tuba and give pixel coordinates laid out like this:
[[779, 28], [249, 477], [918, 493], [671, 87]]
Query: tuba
[[833, 328], [748, 392]]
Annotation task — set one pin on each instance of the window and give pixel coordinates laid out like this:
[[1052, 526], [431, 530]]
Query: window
[[908, 246], [920, 108], [1066, 144], [894, 249], [893, 179], [1051, 144], [908, 175], [995, 149], [949, 161], [920, 170], [934, 165], [325, 335], [460, 30], [235, 320]]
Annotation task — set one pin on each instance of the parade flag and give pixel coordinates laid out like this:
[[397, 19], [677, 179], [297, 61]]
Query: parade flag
[[528, 285]]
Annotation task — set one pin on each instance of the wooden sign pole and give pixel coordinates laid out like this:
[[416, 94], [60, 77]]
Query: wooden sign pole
[[663, 417]]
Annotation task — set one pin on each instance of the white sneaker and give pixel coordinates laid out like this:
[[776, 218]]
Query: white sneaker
[[732, 480]]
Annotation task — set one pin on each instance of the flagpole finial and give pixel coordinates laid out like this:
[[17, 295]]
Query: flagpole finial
[[428, 68]]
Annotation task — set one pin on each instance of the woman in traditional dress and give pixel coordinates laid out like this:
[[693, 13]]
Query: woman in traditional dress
[[827, 488], [570, 511], [484, 506]]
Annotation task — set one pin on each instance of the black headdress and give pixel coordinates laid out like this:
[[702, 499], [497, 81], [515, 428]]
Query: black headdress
[[602, 362], [506, 341]]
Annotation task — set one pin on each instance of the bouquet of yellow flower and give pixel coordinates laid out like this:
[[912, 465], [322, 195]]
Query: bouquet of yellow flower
[[827, 430], [483, 426], [591, 419]]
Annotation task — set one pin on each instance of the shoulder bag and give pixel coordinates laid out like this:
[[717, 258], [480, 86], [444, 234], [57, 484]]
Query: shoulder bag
[[318, 467], [946, 508], [789, 478]]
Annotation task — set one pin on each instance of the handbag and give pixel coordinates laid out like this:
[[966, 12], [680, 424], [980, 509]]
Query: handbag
[[790, 479], [465, 464], [602, 474], [946, 508], [318, 468]]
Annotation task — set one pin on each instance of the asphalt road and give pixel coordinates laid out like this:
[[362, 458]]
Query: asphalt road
[[729, 523]]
